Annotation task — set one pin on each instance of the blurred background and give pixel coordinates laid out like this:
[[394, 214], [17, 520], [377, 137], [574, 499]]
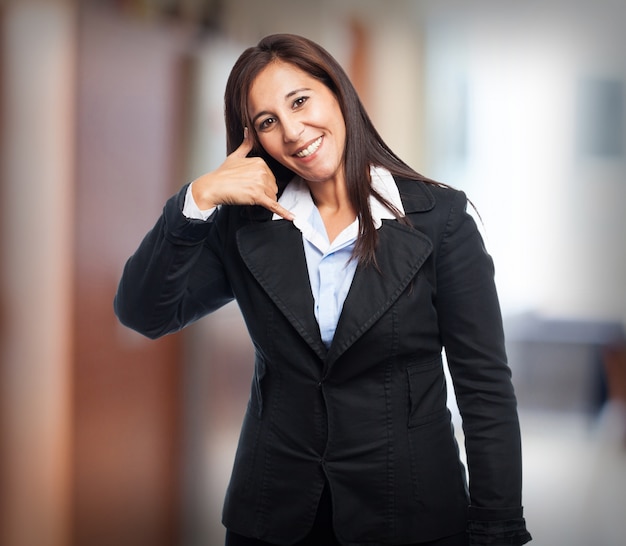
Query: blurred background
[[108, 107]]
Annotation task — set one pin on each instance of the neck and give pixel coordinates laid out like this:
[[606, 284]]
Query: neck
[[331, 194], [331, 199]]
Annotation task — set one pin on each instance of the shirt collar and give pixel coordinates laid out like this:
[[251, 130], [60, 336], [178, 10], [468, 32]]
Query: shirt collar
[[297, 198]]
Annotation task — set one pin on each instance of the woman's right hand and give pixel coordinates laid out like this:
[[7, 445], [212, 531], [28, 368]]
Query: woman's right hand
[[240, 180]]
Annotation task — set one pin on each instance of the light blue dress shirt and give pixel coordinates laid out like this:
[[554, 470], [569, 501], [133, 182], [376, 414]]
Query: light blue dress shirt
[[331, 271]]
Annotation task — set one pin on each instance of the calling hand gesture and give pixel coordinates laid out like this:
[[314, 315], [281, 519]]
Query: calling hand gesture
[[240, 180]]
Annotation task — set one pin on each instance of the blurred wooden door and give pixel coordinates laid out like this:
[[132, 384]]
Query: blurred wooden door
[[127, 389]]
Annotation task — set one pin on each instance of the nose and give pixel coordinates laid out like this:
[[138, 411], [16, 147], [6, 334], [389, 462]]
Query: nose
[[292, 129]]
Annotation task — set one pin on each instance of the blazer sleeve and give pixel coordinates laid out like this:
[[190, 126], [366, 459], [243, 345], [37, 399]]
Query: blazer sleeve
[[472, 334], [176, 275]]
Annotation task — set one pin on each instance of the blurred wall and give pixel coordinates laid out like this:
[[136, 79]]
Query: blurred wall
[[92, 103], [38, 46], [130, 96], [525, 111]]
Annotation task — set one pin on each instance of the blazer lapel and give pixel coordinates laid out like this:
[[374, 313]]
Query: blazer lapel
[[274, 254], [401, 251]]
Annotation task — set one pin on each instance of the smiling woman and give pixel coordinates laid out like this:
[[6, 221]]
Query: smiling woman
[[353, 273], [300, 124], [305, 130]]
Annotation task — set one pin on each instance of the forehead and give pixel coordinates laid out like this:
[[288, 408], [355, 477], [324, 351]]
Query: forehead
[[277, 80]]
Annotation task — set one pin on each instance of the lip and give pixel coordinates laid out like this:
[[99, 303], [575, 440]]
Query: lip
[[307, 145]]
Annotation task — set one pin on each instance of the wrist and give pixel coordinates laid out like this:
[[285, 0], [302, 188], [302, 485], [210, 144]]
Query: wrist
[[204, 200]]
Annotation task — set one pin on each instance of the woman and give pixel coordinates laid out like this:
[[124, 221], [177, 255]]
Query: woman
[[352, 273]]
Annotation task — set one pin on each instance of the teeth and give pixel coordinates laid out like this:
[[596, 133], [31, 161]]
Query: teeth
[[310, 149]]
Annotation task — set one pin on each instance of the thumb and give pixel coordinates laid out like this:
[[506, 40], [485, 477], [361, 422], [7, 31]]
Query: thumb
[[245, 146]]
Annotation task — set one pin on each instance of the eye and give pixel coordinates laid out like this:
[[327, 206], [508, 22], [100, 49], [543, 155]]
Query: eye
[[266, 124], [299, 102]]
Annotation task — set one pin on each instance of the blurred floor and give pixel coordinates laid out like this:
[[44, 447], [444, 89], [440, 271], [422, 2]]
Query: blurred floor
[[574, 481]]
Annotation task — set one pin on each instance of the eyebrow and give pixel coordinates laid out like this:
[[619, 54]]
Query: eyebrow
[[287, 96]]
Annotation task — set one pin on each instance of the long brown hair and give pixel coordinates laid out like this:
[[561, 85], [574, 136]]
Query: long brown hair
[[364, 146]]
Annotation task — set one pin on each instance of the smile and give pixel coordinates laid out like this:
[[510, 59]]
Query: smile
[[311, 148]]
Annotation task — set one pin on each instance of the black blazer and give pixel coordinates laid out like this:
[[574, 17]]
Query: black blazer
[[369, 414]]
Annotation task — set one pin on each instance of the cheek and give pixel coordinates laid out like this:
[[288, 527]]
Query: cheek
[[339, 125], [270, 145]]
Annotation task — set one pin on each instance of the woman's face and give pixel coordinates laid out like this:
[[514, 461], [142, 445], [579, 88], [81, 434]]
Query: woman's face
[[298, 121]]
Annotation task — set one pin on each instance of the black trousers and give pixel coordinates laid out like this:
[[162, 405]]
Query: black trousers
[[322, 532]]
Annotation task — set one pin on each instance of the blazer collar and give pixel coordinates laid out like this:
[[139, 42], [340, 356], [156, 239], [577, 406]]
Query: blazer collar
[[416, 196]]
